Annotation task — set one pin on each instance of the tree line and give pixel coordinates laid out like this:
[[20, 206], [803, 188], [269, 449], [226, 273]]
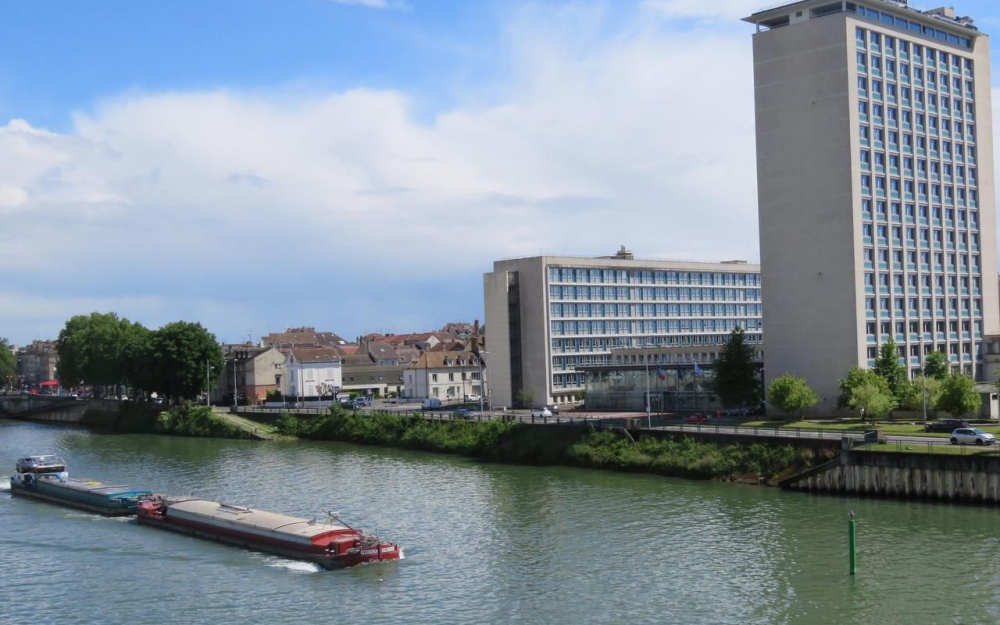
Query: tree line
[[101, 349], [877, 391]]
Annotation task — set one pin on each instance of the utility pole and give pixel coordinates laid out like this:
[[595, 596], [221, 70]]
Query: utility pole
[[923, 393], [649, 419], [234, 383]]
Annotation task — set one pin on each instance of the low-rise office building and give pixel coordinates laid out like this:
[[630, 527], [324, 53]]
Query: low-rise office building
[[552, 316]]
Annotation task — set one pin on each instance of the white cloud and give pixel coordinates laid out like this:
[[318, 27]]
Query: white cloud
[[267, 207], [374, 4]]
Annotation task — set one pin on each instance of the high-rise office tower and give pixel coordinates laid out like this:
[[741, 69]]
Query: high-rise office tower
[[875, 187]]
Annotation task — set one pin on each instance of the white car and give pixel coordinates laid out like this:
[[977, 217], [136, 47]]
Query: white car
[[469, 398], [541, 412], [972, 436]]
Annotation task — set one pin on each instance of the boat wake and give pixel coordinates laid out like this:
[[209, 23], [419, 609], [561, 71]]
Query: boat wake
[[297, 567], [4, 483]]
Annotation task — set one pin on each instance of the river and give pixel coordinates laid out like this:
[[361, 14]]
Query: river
[[484, 543]]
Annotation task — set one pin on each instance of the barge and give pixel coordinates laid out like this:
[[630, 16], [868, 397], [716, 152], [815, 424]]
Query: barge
[[331, 543], [44, 477]]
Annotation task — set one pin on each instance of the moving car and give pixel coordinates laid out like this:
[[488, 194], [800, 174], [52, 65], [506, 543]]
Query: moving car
[[470, 398], [431, 404], [541, 412], [696, 418], [969, 436], [462, 413], [553, 409], [946, 425]]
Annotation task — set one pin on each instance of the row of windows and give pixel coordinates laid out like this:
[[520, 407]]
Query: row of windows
[[926, 327], [622, 276], [654, 310], [889, 42], [897, 279], [967, 350], [876, 63], [926, 235], [622, 293], [882, 210], [597, 344], [660, 326], [898, 304]]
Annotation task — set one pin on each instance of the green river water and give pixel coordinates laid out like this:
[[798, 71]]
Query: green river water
[[484, 543]]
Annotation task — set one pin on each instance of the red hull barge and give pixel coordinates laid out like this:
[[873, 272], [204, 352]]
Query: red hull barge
[[332, 544]]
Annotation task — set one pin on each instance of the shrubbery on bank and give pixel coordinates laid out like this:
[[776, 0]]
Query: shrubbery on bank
[[572, 446], [182, 420]]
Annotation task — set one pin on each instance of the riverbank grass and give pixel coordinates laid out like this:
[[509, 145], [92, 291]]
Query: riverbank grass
[[578, 446]]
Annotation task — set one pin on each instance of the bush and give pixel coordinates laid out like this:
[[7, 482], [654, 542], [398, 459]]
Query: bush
[[524, 444]]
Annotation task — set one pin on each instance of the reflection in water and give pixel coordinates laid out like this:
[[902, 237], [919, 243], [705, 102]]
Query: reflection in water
[[484, 543]]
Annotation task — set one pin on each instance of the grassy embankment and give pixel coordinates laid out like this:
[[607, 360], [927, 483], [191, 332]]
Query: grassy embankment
[[517, 443], [182, 420]]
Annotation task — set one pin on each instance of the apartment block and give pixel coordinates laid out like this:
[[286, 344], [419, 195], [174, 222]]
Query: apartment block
[[875, 187]]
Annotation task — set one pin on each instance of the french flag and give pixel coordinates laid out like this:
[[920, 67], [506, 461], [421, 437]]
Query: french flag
[[660, 373]]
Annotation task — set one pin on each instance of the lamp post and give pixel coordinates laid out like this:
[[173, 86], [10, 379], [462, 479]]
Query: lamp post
[[923, 393], [234, 383], [649, 419]]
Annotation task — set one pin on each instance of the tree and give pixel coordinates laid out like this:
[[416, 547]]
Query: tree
[[872, 401], [92, 348], [736, 381], [177, 355], [791, 394], [914, 392], [959, 396], [524, 398], [936, 366], [855, 378], [887, 365], [8, 365]]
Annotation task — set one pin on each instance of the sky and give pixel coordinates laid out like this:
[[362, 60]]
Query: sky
[[358, 165]]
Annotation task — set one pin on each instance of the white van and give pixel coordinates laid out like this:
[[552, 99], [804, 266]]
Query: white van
[[431, 404]]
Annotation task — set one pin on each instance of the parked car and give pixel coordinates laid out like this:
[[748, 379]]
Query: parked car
[[696, 418], [969, 436], [946, 425], [470, 398], [541, 412], [462, 413]]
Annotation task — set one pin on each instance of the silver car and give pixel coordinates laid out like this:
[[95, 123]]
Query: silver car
[[972, 436]]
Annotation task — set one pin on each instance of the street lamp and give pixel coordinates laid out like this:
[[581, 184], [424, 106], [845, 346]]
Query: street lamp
[[923, 393], [649, 419], [234, 383]]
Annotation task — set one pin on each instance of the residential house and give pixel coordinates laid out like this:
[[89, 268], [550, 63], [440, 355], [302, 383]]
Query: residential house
[[444, 375], [314, 372], [252, 370], [36, 363], [375, 369]]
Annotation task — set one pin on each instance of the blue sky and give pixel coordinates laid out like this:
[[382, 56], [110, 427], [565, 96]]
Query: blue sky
[[357, 166]]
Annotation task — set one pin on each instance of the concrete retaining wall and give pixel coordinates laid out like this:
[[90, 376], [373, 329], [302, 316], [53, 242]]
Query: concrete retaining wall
[[908, 476]]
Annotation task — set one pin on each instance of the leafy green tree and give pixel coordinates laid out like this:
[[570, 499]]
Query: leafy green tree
[[936, 366], [91, 350], [873, 401], [176, 358], [8, 365], [959, 396], [887, 365], [736, 380], [791, 394], [855, 378], [913, 394]]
